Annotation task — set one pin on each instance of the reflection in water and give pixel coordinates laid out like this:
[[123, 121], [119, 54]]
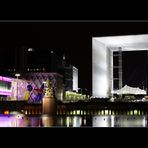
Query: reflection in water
[[12, 121], [74, 121], [19, 120], [101, 121], [48, 121], [119, 121], [32, 121]]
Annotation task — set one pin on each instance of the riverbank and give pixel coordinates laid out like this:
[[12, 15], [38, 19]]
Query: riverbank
[[78, 108]]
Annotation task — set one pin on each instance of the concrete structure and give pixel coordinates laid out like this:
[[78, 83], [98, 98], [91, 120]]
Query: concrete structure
[[75, 78], [102, 59], [71, 78], [49, 105]]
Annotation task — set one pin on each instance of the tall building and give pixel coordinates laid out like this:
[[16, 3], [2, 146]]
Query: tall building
[[38, 60], [71, 78]]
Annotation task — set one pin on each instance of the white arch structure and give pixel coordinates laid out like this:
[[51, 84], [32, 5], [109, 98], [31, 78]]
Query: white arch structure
[[102, 59]]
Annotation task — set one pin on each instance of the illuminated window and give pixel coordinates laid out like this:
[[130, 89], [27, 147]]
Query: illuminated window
[[30, 49]]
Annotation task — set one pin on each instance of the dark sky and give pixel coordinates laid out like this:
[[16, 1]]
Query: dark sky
[[134, 68], [74, 38]]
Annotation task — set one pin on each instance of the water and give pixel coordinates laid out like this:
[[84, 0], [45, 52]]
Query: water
[[20, 120]]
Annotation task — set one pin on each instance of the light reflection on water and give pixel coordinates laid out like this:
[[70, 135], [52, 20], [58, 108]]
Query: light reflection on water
[[119, 121], [20, 120]]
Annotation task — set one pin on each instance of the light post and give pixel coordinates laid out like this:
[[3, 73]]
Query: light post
[[17, 75]]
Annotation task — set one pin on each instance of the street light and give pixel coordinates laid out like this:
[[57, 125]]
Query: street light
[[17, 75]]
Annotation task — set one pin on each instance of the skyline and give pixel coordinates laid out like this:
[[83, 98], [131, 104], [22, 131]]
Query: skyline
[[72, 38]]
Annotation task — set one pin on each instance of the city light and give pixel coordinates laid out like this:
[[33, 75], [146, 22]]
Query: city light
[[5, 79], [5, 92], [30, 49], [17, 75]]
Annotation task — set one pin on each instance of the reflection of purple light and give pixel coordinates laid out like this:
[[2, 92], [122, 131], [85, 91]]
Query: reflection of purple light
[[5, 92], [5, 79]]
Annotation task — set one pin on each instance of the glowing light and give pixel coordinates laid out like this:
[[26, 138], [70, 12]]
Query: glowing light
[[101, 121], [144, 122], [17, 75], [5, 79], [6, 112], [102, 112], [125, 41], [78, 112], [67, 121], [71, 112], [30, 49], [75, 78], [131, 112], [77, 121], [135, 112], [14, 113], [106, 112], [5, 92], [74, 112], [112, 121], [26, 112]]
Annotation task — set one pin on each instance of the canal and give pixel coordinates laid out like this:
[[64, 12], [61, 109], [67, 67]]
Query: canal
[[20, 120]]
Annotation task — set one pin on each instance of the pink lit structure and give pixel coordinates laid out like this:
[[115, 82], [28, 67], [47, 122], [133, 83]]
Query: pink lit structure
[[5, 79], [5, 91]]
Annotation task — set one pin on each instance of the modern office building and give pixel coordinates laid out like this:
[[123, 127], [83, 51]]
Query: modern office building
[[71, 78]]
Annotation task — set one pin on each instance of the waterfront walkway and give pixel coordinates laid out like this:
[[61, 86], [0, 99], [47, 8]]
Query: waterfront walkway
[[79, 108]]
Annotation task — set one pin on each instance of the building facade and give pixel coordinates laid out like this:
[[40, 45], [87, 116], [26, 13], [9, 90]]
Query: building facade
[[102, 60], [71, 78]]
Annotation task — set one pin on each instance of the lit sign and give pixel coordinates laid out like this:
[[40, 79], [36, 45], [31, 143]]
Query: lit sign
[[5, 79], [5, 92]]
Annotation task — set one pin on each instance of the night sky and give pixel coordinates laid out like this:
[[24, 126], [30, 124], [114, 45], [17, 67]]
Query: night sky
[[72, 38]]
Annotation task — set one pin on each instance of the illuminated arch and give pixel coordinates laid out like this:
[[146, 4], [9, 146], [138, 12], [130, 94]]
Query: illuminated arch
[[102, 59]]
